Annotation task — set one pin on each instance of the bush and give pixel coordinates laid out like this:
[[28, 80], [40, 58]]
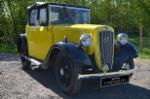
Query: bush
[[7, 48]]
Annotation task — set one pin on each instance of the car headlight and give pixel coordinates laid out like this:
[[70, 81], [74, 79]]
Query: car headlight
[[122, 38], [86, 40]]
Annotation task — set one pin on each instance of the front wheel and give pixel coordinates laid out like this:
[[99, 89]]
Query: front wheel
[[123, 65], [129, 64], [66, 73]]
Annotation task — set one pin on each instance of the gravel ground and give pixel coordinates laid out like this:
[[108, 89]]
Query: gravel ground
[[18, 83]]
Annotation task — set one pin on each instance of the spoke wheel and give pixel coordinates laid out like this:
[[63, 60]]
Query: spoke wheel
[[66, 73], [126, 65], [129, 63]]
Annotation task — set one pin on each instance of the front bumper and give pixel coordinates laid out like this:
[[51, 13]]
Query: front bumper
[[106, 75]]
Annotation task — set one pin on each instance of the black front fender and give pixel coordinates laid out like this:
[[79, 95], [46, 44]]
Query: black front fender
[[70, 50], [127, 50], [124, 52]]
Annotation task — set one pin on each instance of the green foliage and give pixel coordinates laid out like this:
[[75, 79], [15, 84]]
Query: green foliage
[[7, 48], [123, 15]]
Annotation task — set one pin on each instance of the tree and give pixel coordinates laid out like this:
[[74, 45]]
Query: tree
[[129, 16]]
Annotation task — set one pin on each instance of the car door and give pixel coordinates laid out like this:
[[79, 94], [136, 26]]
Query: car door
[[40, 35]]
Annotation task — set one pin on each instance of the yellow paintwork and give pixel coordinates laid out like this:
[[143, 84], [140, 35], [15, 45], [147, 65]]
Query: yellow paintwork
[[40, 39]]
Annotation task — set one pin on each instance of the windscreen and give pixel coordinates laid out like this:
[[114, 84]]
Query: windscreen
[[68, 15]]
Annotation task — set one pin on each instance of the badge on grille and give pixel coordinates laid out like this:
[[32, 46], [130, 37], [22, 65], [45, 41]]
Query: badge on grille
[[105, 68]]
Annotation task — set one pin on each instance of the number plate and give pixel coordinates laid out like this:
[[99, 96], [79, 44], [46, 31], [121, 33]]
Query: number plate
[[104, 82]]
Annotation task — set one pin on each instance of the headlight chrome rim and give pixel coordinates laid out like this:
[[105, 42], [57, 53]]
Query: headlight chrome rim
[[85, 40], [122, 38]]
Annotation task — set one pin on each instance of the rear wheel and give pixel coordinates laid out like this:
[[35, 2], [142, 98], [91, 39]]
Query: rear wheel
[[66, 73], [23, 56]]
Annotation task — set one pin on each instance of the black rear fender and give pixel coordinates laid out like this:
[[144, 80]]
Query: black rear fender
[[21, 42]]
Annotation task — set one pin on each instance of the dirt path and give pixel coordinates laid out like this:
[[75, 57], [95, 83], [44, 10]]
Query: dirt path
[[17, 83]]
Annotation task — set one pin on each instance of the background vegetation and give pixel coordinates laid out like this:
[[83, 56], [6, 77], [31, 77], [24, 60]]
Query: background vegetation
[[128, 16]]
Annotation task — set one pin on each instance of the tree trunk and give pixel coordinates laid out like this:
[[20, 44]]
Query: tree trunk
[[141, 36]]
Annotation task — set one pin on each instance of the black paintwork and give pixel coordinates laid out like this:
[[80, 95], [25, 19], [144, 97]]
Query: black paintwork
[[45, 5], [127, 50], [38, 15], [22, 42], [123, 53], [60, 4], [70, 50]]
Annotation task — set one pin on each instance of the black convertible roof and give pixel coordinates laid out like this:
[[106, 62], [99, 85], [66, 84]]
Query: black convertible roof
[[46, 3]]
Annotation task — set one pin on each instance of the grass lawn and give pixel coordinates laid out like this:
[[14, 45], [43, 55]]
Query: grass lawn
[[145, 53], [7, 49]]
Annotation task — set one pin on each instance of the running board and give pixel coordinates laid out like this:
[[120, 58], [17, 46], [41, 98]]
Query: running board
[[34, 63]]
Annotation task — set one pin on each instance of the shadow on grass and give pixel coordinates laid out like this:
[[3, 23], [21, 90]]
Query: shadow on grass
[[90, 88]]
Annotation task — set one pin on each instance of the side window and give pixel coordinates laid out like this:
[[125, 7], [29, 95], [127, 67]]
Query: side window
[[43, 16], [56, 14], [33, 17]]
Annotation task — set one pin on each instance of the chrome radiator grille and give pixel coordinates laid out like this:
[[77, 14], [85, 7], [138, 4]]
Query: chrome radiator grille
[[106, 40]]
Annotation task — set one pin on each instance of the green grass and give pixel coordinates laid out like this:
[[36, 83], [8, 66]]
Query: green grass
[[145, 53], [7, 48]]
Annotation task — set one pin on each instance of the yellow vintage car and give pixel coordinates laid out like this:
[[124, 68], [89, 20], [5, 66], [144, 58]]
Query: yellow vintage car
[[60, 37]]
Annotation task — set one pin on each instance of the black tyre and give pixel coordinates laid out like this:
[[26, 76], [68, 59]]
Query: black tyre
[[128, 64], [23, 55], [66, 73], [131, 63]]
